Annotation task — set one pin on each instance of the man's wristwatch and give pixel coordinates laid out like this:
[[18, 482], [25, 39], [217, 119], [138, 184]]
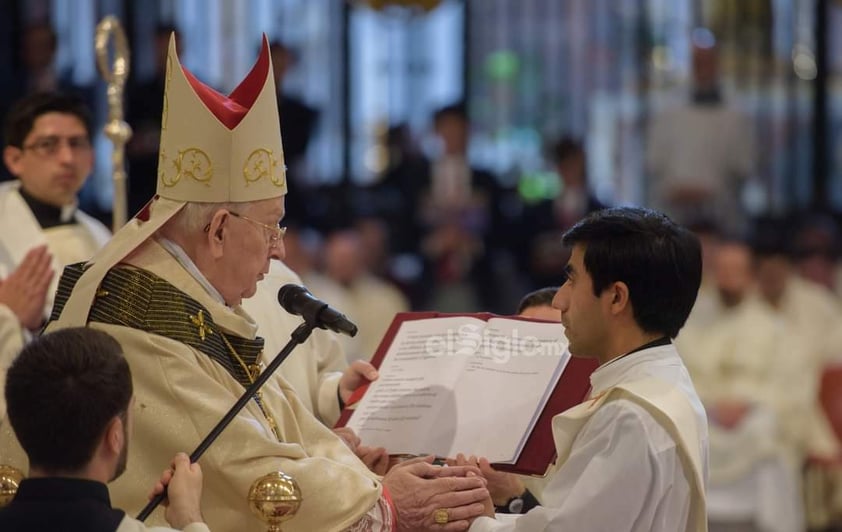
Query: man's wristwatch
[[519, 504]]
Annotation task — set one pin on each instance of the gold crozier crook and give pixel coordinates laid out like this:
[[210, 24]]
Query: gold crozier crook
[[116, 128]]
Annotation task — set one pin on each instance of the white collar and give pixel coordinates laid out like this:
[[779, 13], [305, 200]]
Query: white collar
[[68, 212], [181, 256], [633, 367]]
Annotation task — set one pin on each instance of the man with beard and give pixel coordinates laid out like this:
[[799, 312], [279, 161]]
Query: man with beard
[[68, 396]]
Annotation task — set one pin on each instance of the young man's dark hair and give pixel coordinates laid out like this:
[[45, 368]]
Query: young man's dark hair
[[22, 116], [61, 393], [538, 298], [659, 261]]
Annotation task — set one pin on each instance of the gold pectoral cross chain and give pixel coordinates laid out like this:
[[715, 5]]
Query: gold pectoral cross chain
[[252, 372]]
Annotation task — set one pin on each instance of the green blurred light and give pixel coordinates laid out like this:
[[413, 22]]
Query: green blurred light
[[537, 186], [502, 65]]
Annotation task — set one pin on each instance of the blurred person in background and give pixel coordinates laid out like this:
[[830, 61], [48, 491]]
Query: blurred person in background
[[700, 155], [319, 372], [299, 120], [371, 302], [47, 139], [144, 107], [708, 306], [549, 219], [457, 213], [809, 308], [817, 243], [539, 305], [741, 358], [37, 72]]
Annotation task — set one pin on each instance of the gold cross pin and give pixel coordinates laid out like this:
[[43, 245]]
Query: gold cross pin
[[199, 321]]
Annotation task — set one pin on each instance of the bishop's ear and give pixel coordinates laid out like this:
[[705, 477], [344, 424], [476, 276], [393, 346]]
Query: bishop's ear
[[216, 231]]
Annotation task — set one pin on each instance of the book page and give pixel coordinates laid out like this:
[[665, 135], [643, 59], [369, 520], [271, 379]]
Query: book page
[[411, 407], [506, 385], [459, 384]]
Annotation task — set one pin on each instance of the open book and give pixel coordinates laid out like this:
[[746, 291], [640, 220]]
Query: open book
[[477, 384]]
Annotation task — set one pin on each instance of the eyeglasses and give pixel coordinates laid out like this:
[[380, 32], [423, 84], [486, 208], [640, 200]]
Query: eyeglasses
[[49, 146], [275, 232]]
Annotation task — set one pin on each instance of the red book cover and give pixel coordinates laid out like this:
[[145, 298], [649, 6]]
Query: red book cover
[[539, 450]]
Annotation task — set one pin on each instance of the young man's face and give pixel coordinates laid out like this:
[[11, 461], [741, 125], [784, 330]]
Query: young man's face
[[55, 159], [582, 313]]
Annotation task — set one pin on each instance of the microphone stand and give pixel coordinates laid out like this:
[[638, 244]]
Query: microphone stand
[[298, 336]]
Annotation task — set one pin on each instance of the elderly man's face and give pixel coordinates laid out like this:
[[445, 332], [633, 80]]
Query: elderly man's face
[[246, 256]]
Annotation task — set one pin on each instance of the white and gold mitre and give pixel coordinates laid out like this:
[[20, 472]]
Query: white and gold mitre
[[216, 148]]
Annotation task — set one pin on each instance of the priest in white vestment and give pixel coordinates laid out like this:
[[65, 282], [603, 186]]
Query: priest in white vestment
[[48, 149], [700, 154], [633, 456]]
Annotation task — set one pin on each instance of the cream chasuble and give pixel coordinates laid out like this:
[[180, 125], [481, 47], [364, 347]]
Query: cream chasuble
[[181, 393]]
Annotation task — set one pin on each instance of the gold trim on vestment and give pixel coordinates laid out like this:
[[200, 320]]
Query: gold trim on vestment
[[135, 298]]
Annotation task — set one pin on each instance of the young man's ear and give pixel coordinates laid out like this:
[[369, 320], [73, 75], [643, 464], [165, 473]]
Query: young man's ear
[[115, 435], [619, 293]]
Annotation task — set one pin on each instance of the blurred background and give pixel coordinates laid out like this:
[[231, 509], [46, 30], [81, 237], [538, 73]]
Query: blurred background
[[534, 98], [534, 81], [363, 80], [437, 150]]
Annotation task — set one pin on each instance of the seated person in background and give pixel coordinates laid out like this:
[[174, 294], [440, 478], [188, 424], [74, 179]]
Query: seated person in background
[[367, 300], [68, 397], [539, 305], [740, 357]]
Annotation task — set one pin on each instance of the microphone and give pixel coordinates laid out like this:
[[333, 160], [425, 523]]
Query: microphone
[[298, 300]]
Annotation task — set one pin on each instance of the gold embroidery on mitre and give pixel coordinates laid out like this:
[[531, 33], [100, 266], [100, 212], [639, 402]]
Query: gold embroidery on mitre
[[262, 163], [193, 163], [162, 158], [166, 109]]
